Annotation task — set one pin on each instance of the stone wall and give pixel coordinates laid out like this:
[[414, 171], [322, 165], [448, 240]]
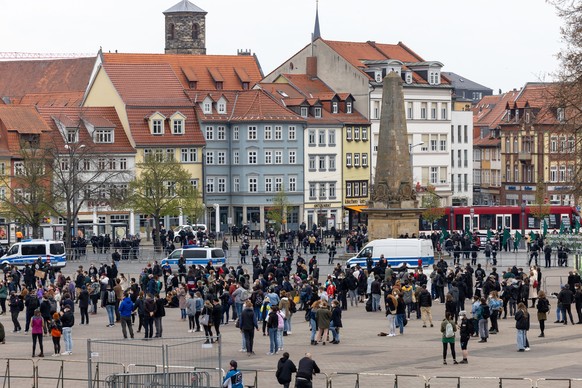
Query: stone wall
[[183, 42]]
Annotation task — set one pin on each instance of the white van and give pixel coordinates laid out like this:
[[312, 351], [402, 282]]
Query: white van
[[28, 252], [396, 251], [195, 255]]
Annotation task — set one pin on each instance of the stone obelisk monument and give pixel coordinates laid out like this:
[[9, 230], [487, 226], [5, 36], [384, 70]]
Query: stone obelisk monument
[[393, 208]]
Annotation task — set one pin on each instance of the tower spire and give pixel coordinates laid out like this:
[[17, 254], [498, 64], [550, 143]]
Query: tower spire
[[316, 32]]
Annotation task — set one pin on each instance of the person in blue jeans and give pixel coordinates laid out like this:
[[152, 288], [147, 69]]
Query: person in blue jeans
[[312, 321], [336, 321], [110, 303], [400, 313], [273, 327]]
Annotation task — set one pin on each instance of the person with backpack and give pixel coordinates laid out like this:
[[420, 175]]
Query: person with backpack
[[273, 325], [482, 314], [466, 331], [31, 303], [56, 330], [543, 309], [110, 303], [448, 330]]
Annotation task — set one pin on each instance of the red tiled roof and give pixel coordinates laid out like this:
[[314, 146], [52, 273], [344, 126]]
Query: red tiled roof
[[230, 67], [491, 112], [399, 51], [486, 142], [99, 116], [22, 119], [18, 78], [53, 99], [307, 85], [147, 85], [140, 130]]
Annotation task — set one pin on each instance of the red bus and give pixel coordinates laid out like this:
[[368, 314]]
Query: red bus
[[497, 218]]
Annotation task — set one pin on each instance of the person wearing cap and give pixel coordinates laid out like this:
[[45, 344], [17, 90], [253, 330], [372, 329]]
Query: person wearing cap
[[465, 330], [234, 377]]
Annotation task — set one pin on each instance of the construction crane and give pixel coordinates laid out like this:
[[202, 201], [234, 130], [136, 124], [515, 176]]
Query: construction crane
[[12, 55]]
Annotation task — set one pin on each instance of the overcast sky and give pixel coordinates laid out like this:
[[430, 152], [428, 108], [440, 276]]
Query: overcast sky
[[501, 44]]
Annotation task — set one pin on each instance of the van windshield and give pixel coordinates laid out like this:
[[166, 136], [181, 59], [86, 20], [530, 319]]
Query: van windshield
[[365, 252], [194, 254], [33, 249]]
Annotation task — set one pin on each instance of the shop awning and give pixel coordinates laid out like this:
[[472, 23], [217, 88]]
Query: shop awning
[[356, 208]]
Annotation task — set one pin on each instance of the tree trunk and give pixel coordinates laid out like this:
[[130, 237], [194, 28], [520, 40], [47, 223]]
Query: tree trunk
[[36, 231], [156, 236]]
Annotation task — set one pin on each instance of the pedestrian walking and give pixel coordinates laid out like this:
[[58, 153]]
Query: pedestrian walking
[[285, 370], [448, 330]]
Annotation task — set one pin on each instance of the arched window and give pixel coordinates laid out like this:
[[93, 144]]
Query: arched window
[[195, 31], [171, 31]]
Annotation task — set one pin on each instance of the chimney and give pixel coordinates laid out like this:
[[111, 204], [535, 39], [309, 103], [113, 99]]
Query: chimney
[[311, 67], [244, 53]]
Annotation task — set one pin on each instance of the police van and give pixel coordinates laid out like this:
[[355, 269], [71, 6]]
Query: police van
[[28, 251], [396, 251], [196, 255]]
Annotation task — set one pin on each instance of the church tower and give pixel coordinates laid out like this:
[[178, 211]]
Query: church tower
[[185, 29]]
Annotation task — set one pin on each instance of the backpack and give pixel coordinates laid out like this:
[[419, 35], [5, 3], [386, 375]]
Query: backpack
[[20, 304], [449, 331], [369, 304], [281, 322], [111, 297], [258, 300], [486, 313], [292, 306]]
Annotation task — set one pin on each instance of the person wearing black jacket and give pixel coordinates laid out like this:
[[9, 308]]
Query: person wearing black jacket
[[216, 316], [425, 303], [565, 298], [543, 309], [67, 321], [465, 330], [285, 370], [31, 303], [159, 314], [248, 324], [306, 370], [148, 320], [14, 305], [522, 326], [336, 322]]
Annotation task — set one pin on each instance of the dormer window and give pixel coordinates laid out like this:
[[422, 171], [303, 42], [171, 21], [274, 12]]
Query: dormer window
[[177, 123], [561, 115], [219, 85], [157, 127], [221, 105], [103, 135], [434, 77], [348, 107], [245, 86], [72, 135], [207, 107], [334, 107], [304, 111], [317, 112], [408, 77]]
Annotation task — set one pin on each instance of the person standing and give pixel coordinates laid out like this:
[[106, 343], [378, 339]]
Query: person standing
[[306, 369], [110, 301], [216, 317], [543, 308], [16, 305], [448, 330], [466, 330], [37, 324], [125, 311], [56, 330], [234, 377], [84, 299], [336, 322], [248, 323], [522, 326], [272, 326], [191, 312], [159, 314], [206, 321], [482, 315], [425, 303], [565, 298], [285, 370], [68, 321], [391, 310], [323, 318], [148, 318]]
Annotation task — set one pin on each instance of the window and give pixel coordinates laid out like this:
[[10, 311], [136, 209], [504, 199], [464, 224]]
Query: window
[[222, 185], [466, 158], [252, 157], [209, 157], [72, 135], [507, 172], [322, 191], [571, 144], [304, 111], [311, 163], [321, 163], [221, 107], [268, 157], [348, 107], [178, 127], [434, 172], [563, 147], [278, 184], [103, 135], [292, 135], [562, 175], [292, 157], [452, 134], [112, 164], [207, 107], [356, 188], [466, 134], [409, 111], [235, 158], [459, 182], [444, 113], [188, 155], [332, 163], [348, 189], [364, 189], [433, 144], [210, 185], [516, 172], [278, 157], [364, 160], [443, 144], [332, 190], [221, 133], [561, 114], [356, 160], [423, 108], [157, 127], [348, 133], [349, 160], [356, 134], [433, 111], [252, 133], [236, 184], [311, 137], [268, 132], [331, 137], [321, 137], [64, 167], [466, 183], [221, 157], [253, 186], [292, 183], [209, 133], [123, 163], [101, 164], [278, 132], [268, 184], [459, 158], [376, 110], [235, 133], [311, 190], [553, 174], [334, 107], [364, 133], [317, 112]]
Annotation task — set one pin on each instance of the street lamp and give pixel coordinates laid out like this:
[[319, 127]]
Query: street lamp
[[410, 147]]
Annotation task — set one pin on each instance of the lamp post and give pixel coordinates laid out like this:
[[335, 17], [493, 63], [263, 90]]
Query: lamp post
[[410, 147], [472, 211]]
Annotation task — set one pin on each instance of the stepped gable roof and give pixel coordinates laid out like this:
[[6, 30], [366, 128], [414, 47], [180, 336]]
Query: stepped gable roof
[[18, 78], [52, 99], [147, 84], [138, 118], [78, 117], [184, 6], [232, 68]]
